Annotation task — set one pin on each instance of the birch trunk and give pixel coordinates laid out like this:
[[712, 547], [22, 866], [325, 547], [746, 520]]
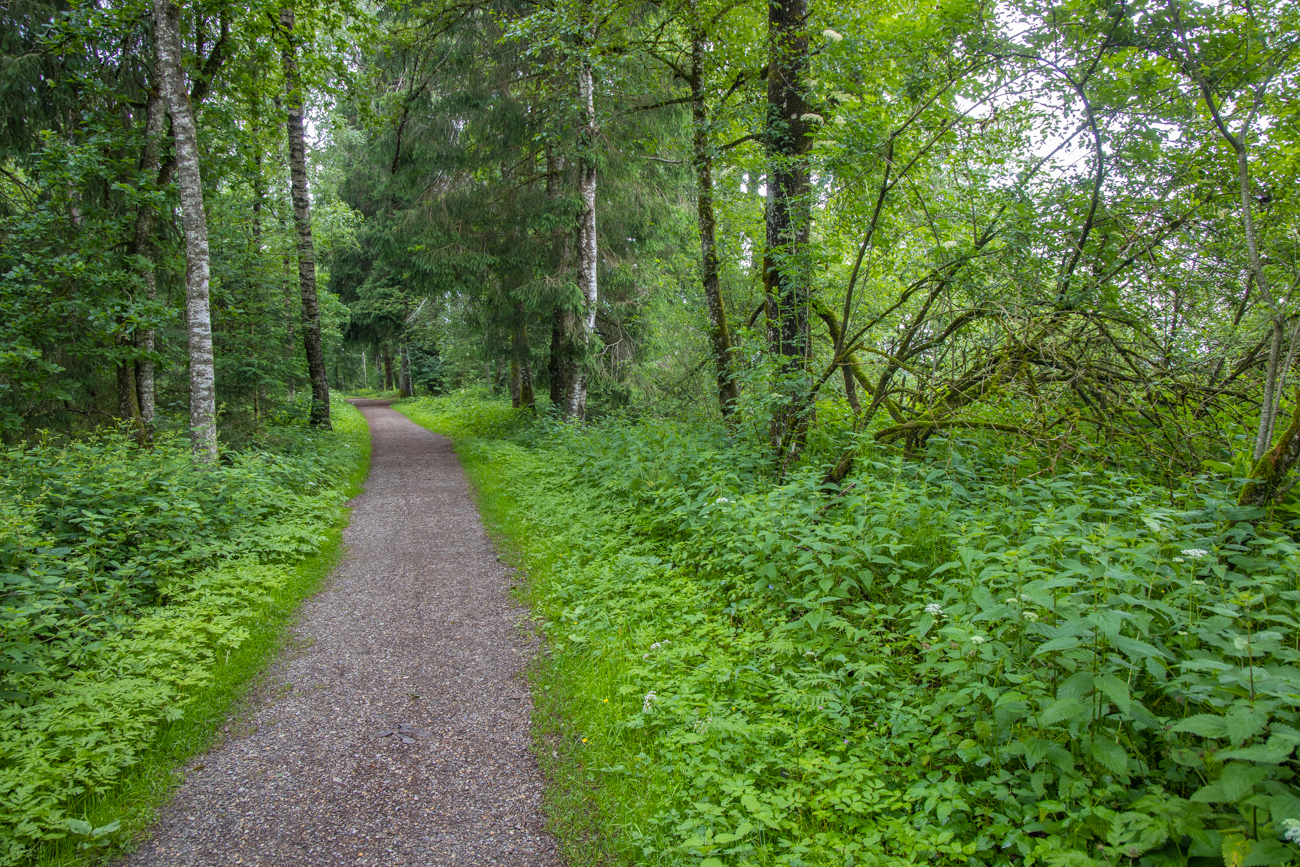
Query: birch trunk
[[320, 393], [146, 225], [404, 379], [588, 252], [189, 182], [719, 334]]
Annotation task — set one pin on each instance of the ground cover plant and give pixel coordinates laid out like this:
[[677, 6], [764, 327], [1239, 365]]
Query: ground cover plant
[[140, 588], [941, 662]]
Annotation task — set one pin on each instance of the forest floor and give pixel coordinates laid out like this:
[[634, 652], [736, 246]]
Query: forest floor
[[395, 731]]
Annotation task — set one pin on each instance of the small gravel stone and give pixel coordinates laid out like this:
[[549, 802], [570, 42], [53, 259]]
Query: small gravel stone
[[398, 734]]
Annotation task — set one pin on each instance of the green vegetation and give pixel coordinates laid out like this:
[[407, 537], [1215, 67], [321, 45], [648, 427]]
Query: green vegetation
[[945, 661], [142, 590]]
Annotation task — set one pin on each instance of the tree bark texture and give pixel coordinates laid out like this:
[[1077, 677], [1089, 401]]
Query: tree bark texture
[[146, 226], [588, 251], [521, 361], [388, 367], [189, 182], [320, 392], [719, 333], [788, 134]]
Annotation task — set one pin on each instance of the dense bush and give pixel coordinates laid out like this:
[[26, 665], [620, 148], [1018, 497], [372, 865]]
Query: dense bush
[[941, 662], [127, 573]]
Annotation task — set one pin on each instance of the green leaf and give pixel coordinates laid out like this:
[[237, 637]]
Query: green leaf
[[1110, 755], [1204, 724], [1239, 780], [1063, 709], [79, 826], [1264, 853], [1114, 689]]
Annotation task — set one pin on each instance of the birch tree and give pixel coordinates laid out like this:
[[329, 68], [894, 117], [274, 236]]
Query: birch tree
[[198, 320]]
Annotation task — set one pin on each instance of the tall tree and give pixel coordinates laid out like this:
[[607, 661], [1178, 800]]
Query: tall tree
[[189, 182], [320, 395], [788, 137]]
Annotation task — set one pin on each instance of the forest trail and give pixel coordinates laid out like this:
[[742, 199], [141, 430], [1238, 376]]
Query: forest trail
[[397, 731]]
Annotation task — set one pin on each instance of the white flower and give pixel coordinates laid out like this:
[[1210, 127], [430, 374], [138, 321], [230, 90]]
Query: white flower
[[1179, 560], [702, 726], [1030, 616], [840, 120], [1195, 553], [809, 117], [648, 703], [832, 35], [655, 646], [949, 245], [1291, 830], [721, 500], [810, 653], [977, 639], [1198, 581], [934, 609]]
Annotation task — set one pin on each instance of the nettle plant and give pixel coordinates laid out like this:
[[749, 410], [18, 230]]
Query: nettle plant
[[1062, 671]]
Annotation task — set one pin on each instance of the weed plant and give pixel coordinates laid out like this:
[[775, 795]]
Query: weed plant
[[941, 662], [131, 577]]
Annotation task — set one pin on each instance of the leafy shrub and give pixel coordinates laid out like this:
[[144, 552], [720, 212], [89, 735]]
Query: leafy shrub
[[126, 574], [936, 663]]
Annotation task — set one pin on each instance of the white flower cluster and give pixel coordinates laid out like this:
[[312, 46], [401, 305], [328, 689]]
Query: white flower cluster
[[648, 703], [1030, 616], [656, 646], [977, 639], [1195, 553], [1291, 830], [934, 609], [721, 500], [702, 725], [832, 35]]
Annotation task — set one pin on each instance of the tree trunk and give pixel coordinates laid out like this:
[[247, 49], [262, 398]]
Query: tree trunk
[[786, 278], [521, 365], [290, 333], [320, 392], [388, 368], [588, 252], [404, 381], [146, 225], [128, 402], [719, 333], [203, 387]]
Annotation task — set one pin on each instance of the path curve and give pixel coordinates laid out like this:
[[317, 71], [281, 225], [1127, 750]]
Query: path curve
[[399, 733]]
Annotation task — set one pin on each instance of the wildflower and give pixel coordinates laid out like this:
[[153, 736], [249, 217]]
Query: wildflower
[[1179, 560], [810, 653], [1195, 553], [1030, 616], [832, 35], [584, 740], [949, 245], [1291, 830], [846, 740], [934, 609], [648, 703], [977, 639], [1198, 581], [769, 587], [656, 646], [809, 117], [721, 500], [604, 701]]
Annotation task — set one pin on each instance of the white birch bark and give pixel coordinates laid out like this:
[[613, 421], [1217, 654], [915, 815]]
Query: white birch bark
[[588, 251], [198, 320]]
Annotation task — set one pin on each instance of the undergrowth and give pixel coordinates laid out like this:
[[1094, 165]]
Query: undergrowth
[[140, 592], [940, 662]]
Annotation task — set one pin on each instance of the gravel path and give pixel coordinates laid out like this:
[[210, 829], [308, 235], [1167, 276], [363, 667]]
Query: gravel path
[[398, 733]]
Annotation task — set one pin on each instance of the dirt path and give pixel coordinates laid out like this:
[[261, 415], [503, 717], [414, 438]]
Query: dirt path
[[398, 733]]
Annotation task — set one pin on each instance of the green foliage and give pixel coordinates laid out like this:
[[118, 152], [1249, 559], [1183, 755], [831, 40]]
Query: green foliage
[[940, 663], [129, 576]]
